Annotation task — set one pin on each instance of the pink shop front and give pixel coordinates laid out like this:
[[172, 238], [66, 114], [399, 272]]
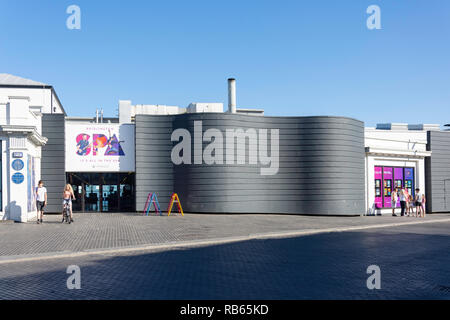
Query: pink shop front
[[389, 178]]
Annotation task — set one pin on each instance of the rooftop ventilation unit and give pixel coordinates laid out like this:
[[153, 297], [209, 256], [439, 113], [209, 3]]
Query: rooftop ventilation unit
[[384, 126], [418, 127]]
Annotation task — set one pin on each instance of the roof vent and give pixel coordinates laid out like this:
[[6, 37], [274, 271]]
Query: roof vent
[[418, 127], [384, 126]]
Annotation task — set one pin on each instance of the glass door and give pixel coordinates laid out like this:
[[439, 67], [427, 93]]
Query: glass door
[[77, 181], [110, 202], [103, 192], [127, 192], [92, 197]]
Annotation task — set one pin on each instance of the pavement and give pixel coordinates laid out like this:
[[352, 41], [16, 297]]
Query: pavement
[[226, 257], [104, 232]]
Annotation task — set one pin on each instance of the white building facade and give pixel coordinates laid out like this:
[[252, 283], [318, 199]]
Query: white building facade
[[22, 105], [395, 158]]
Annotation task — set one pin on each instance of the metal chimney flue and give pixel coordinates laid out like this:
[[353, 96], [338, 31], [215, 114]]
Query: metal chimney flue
[[232, 95]]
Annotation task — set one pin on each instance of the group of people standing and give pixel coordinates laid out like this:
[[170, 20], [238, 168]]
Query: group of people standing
[[408, 202]]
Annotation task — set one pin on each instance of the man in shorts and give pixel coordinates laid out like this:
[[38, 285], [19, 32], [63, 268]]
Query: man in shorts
[[41, 200], [420, 212]]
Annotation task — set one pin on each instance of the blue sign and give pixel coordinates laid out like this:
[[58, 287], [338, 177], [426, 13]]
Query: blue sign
[[17, 164], [17, 178], [17, 155]]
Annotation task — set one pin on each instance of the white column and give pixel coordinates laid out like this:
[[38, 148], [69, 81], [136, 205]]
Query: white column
[[16, 205], [370, 182]]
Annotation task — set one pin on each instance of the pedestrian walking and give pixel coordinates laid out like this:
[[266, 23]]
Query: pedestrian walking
[[68, 195], [403, 201], [41, 200]]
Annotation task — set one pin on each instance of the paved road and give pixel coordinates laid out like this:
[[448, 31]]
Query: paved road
[[98, 231], [414, 262]]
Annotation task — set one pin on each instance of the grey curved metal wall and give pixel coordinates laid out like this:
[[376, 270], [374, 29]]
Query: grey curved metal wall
[[437, 172], [321, 169], [154, 168]]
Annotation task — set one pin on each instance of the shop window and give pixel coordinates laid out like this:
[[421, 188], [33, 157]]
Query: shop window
[[387, 188], [409, 181], [377, 188]]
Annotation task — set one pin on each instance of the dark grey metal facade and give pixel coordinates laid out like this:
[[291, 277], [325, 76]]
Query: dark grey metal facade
[[154, 169], [53, 159], [437, 172], [321, 167]]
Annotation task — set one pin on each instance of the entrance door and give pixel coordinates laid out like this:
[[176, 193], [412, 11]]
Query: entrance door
[[92, 197], [126, 192], [110, 194], [103, 192]]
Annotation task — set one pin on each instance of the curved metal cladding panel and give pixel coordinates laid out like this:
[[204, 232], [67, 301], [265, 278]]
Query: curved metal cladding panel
[[321, 168], [154, 169]]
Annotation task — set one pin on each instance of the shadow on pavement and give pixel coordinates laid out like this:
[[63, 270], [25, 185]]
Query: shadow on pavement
[[327, 266]]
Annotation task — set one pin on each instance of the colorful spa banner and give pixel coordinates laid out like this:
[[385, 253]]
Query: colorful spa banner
[[101, 147]]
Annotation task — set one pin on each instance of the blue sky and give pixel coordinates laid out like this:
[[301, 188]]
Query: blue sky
[[312, 57]]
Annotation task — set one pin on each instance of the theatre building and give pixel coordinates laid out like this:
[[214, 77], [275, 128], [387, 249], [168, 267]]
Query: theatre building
[[217, 161], [114, 165]]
